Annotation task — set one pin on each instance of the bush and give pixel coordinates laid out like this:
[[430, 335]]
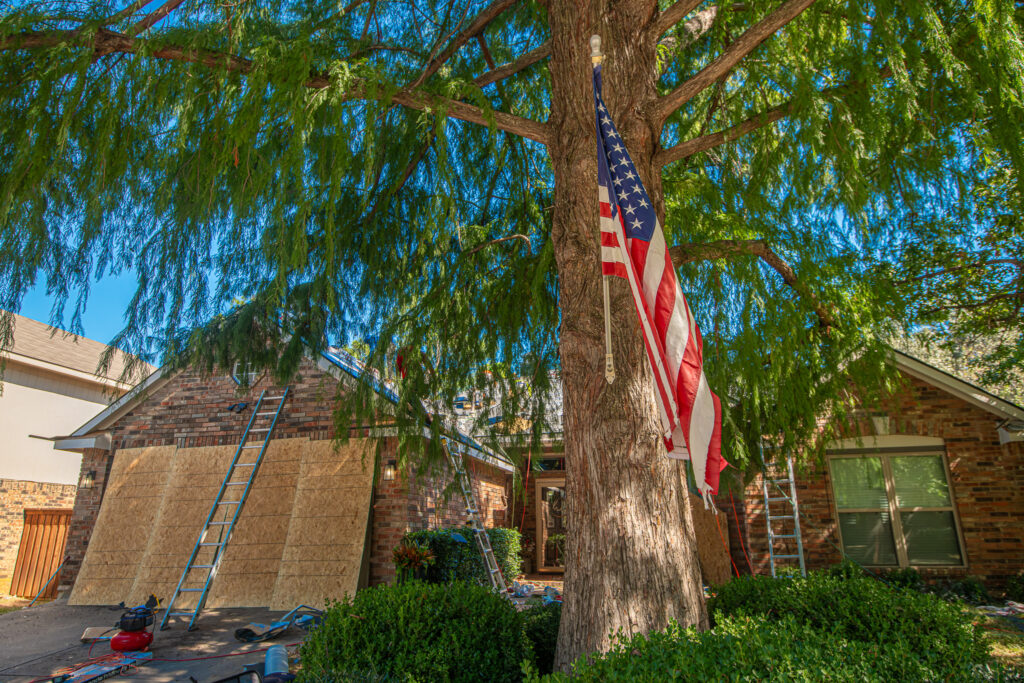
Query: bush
[[417, 632], [457, 557], [750, 649], [541, 623], [864, 610], [1015, 588], [904, 578], [970, 589]]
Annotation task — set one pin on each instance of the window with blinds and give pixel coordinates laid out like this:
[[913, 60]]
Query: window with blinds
[[895, 509]]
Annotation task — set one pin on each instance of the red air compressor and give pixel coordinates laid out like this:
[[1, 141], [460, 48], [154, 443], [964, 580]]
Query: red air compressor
[[134, 634]]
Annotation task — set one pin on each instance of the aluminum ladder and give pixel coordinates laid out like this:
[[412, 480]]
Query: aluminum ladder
[[456, 457], [226, 509], [787, 497]]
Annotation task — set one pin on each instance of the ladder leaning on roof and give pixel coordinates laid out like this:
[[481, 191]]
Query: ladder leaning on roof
[[224, 514], [456, 458], [770, 482]]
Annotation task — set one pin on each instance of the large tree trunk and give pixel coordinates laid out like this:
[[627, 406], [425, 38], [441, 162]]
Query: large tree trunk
[[631, 559]]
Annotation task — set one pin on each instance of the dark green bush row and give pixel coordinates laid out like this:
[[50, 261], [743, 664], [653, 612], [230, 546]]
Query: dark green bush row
[[541, 623], [1015, 588], [754, 649], [417, 632], [862, 609], [458, 558]]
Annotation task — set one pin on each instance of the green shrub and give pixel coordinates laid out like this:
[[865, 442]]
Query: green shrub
[[865, 610], [417, 632], [1015, 588], [847, 569], [903, 578], [970, 589], [541, 623], [752, 649], [457, 557]]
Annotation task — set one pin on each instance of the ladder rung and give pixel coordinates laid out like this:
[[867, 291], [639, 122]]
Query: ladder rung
[[202, 544], [786, 557], [260, 446], [236, 483], [201, 566], [191, 590], [269, 413], [219, 523], [260, 429], [228, 502], [778, 500], [181, 614], [780, 481], [781, 516], [272, 398], [783, 535], [245, 464]]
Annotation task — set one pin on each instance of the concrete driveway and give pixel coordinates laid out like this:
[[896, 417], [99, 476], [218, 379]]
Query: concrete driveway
[[40, 641]]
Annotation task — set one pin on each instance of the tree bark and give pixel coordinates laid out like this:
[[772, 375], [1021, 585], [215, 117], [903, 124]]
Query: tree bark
[[631, 559]]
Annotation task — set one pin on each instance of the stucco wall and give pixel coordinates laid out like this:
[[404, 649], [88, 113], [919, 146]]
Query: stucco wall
[[37, 402]]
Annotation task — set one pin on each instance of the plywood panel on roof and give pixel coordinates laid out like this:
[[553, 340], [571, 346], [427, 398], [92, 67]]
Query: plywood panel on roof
[[138, 478], [324, 549]]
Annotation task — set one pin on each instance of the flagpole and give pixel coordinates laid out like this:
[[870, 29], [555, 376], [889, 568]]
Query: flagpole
[[609, 360]]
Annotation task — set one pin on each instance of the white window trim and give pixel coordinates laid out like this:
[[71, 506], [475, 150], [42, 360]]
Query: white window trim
[[885, 448]]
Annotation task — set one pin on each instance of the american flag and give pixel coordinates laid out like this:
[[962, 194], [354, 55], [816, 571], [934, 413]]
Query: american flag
[[633, 248]]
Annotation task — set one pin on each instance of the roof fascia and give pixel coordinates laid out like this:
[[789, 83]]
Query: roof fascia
[[64, 371], [966, 391], [122, 405]]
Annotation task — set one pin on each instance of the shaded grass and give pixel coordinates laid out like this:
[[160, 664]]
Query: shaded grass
[[1005, 639]]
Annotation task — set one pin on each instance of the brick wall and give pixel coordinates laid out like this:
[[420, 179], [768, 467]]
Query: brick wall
[[987, 481], [15, 496], [411, 503], [190, 411]]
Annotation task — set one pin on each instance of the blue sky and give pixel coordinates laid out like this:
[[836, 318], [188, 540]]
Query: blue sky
[[104, 312]]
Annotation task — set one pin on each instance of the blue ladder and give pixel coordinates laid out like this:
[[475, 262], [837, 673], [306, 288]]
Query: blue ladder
[[770, 482], [228, 510]]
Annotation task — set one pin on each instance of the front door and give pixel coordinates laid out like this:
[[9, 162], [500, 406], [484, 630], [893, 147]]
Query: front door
[[550, 497]]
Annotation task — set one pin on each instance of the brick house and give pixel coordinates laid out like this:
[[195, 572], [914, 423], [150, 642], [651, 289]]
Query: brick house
[[933, 479], [49, 383], [321, 519]]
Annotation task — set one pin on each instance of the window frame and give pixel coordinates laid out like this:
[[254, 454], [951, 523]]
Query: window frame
[[895, 511]]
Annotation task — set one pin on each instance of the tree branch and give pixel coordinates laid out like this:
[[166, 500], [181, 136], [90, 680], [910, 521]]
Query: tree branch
[[691, 253], [108, 42], [1017, 263], [674, 14], [706, 142], [489, 14], [506, 70], [498, 241], [743, 46], [154, 16]]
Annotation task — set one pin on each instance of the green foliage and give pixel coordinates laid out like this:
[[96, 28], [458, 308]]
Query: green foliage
[[745, 648], [904, 578], [969, 589], [1015, 587], [417, 632], [541, 623], [457, 557], [864, 610]]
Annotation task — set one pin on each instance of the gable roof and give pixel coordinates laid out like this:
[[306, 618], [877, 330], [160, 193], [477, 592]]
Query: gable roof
[[58, 350], [334, 362], [958, 387]]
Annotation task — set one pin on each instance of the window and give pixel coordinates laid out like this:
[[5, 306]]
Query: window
[[895, 509]]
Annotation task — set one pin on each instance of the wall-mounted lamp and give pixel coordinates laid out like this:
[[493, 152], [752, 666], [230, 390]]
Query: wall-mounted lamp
[[389, 470], [88, 479]]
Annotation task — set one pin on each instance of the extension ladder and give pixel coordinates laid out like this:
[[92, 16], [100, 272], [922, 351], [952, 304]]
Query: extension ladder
[[788, 498], [226, 509], [456, 457]]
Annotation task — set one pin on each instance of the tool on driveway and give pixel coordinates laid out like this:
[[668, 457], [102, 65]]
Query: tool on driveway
[[302, 616], [135, 633], [202, 564]]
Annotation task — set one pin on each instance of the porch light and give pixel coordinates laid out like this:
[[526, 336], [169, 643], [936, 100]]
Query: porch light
[[389, 470]]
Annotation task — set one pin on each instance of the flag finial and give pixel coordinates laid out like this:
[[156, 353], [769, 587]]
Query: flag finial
[[595, 49]]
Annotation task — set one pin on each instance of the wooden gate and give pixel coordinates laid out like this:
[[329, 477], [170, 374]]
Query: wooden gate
[[40, 552]]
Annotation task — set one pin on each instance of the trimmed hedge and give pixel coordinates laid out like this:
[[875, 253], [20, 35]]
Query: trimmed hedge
[[457, 557], [541, 623], [753, 649], [417, 632], [939, 634]]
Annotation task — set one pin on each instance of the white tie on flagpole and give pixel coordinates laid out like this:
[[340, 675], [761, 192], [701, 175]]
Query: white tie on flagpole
[[609, 360]]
